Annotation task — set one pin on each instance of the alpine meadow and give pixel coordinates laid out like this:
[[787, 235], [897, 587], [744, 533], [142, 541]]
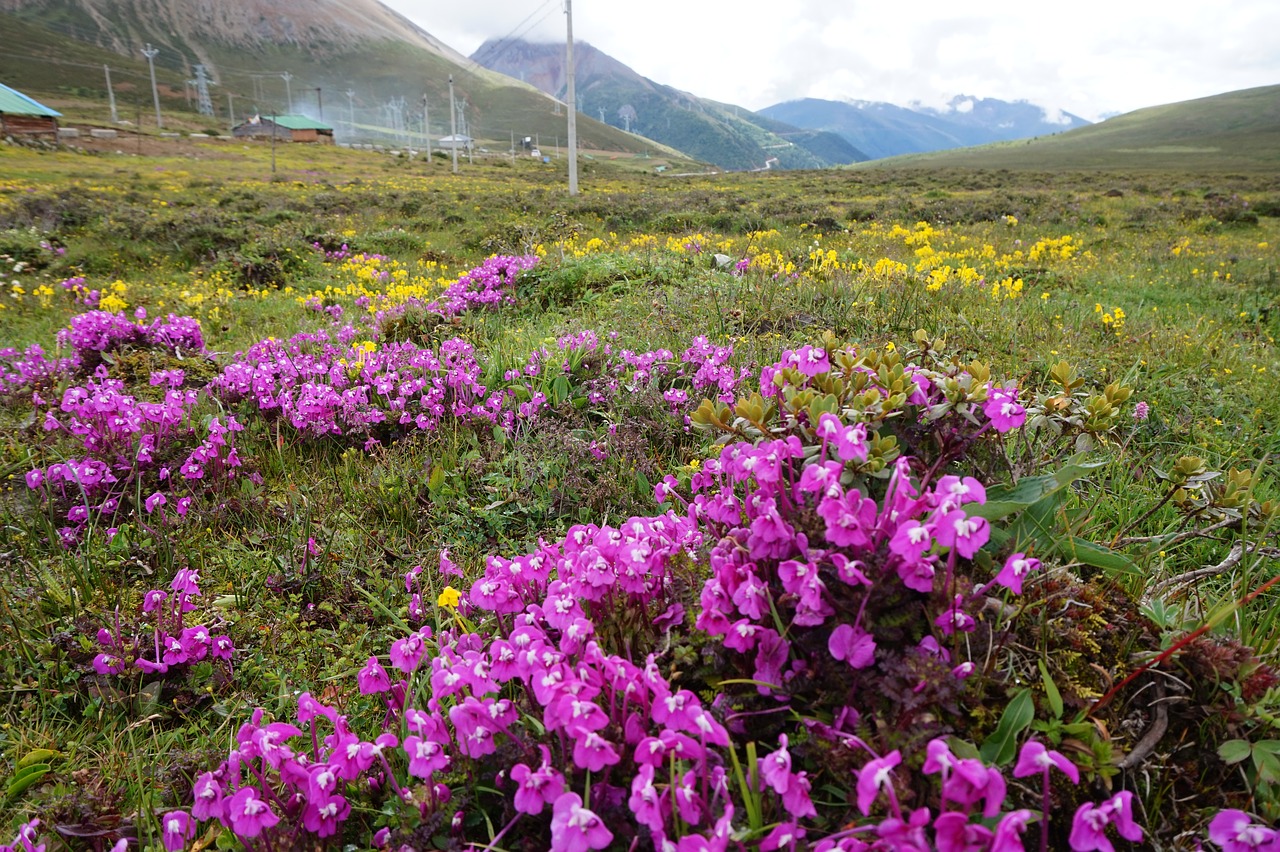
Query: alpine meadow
[[351, 499]]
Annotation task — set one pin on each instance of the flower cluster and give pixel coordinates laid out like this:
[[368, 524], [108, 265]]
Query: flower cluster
[[131, 447], [487, 285], [561, 693], [329, 383], [172, 642], [101, 331], [32, 370]]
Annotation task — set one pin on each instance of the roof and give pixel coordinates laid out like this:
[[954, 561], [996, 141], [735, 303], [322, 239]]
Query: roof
[[298, 122], [15, 103]]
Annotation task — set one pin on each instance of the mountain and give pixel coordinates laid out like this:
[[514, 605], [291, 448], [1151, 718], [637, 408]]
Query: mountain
[[614, 93], [885, 130], [1234, 131], [356, 63]]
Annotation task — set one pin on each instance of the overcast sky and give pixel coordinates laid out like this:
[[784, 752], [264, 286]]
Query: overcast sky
[[1090, 57]]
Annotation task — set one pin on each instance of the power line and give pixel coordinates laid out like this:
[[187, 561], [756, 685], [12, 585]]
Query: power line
[[497, 48]]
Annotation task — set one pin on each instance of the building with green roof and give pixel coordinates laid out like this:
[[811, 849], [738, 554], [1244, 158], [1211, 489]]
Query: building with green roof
[[286, 128], [23, 116]]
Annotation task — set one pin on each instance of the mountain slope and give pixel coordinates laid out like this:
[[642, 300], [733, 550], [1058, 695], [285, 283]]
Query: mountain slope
[[886, 130], [327, 47], [615, 94], [1232, 131]]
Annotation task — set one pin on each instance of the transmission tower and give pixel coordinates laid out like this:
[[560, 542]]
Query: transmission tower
[[204, 105]]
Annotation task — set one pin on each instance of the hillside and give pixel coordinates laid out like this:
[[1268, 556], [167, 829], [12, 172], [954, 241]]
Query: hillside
[[885, 130], [55, 49], [1232, 131], [615, 94]]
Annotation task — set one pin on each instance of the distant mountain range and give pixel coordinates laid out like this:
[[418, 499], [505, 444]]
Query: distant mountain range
[[356, 63], [728, 136], [372, 73], [1234, 131], [885, 130]]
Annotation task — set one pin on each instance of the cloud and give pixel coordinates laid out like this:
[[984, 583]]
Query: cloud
[[1094, 57]]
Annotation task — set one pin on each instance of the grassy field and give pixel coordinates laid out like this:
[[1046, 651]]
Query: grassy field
[[336, 473]]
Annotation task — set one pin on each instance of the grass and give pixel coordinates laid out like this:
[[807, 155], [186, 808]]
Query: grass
[[302, 569]]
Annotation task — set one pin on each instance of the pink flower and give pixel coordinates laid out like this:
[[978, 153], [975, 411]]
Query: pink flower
[[874, 777], [538, 788], [853, 645], [576, 829], [1035, 759], [1016, 568], [1090, 822], [177, 829], [155, 501], [248, 814], [207, 796], [373, 678], [1235, 831], [966, 534], [1008, 836], [1003, 409]]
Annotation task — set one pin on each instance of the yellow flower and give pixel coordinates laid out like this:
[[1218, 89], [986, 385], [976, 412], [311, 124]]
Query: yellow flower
[[449, 598]]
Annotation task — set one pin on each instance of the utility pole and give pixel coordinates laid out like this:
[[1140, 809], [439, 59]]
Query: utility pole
[[572, 98], [231, 110], [426, 124], [453, 125], [319, 103], [274, 128], [150, 52], [288, 92], [111, 95]]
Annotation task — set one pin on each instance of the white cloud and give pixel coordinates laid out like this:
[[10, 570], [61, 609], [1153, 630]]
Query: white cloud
[[1091, 58]]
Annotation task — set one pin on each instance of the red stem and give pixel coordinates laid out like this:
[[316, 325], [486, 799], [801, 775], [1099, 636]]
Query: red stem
[[1175, 647]]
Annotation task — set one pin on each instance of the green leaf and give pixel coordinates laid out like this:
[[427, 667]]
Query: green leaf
[[999, 748], [559, 390], [1088, 553], [25, 777], [1234, 751], [1003, 500], [39, 755], [1268, 766], [1269, 746], [1050, 690]]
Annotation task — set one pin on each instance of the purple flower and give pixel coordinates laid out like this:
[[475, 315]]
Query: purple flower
[[1016, 568], [207, 798], [322, 815], [1008, 837], [592, 751], [853, 645], [1035, 759], [1235, 831], [177, 829], [576, 829], [873, 777], [775, 767], [249, 815], [1089, 825], [966, 534], [155, 500], [1003, 409], [539, 787], [373, 678]]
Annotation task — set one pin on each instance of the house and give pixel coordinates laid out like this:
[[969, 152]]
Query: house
[[461, 142], [286, 128], [21, 116]]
